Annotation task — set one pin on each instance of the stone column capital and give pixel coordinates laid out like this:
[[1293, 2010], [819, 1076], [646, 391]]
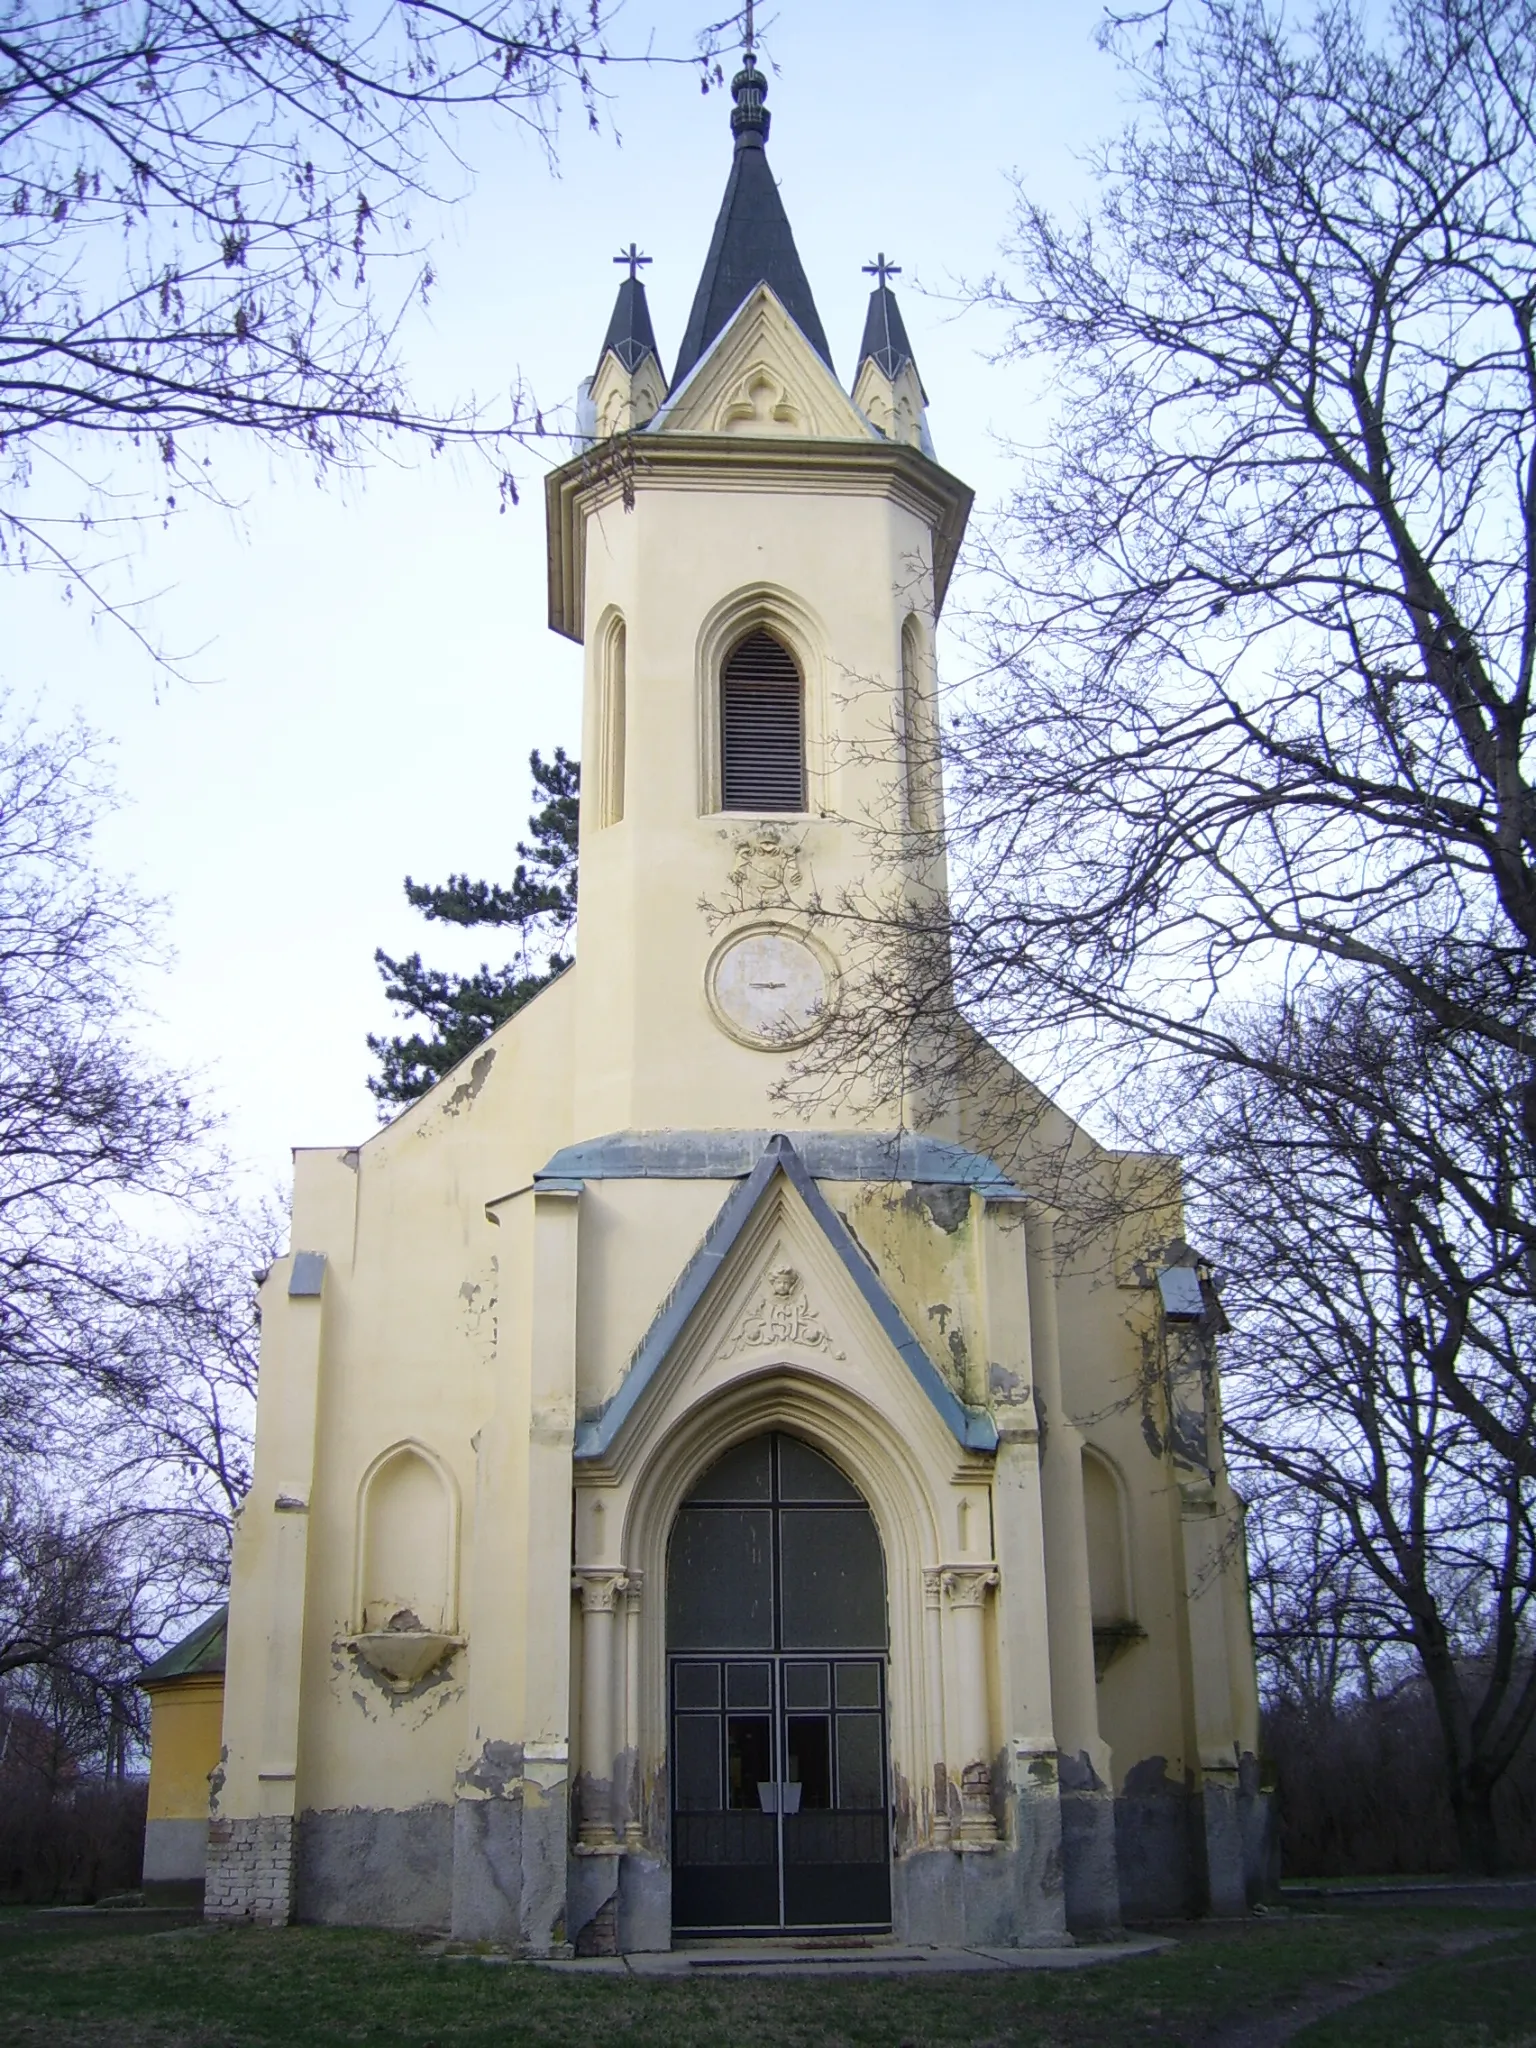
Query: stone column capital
[[967, 1585], [599, 1587], [634, 1586]]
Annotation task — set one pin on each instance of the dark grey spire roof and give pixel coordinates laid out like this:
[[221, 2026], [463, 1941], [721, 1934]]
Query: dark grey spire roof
[[885, 337], [630, 334], [752, 244]]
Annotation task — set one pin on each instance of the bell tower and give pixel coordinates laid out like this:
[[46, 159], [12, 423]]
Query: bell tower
[[754, 562]]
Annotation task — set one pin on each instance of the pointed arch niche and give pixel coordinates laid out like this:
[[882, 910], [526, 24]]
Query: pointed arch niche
[[728, 641], [608, 745], [1110, 1588], [407, 1545], [919, 729]]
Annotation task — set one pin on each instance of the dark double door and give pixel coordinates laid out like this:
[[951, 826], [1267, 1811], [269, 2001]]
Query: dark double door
[[777, 1673]]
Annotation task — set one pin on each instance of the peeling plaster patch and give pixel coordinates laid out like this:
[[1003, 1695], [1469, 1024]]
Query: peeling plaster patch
[[1078, 1774], [1149, 1776], [350, 1157], [940, 1312], [216, 1781], [468, 1289], [1006, 1385], [495, 1772], [958, 1352], [466, 1091], [904, 1824], [436, 1690], [949, 1206]]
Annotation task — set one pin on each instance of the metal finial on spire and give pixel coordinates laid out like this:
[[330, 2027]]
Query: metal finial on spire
[[881, 269], [633, 258], [748, 40], [749, 88]]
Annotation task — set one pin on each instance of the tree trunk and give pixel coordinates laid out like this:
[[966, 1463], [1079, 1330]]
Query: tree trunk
[[1477, 1833]]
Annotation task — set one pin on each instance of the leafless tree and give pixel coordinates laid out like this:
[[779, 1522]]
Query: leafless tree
[[195, 202], [127, 1279], [1394, 1522], [175, 1440], [1241, 820], [89, 1120]]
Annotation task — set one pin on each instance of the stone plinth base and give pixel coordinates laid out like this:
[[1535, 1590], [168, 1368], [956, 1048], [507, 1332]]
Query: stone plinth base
[[250, 1870]]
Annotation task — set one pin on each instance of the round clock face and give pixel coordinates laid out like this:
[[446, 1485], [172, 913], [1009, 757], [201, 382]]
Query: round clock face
[[770, 988]]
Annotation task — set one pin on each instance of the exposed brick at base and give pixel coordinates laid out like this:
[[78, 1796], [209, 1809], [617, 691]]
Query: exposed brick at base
[[250, 1871]]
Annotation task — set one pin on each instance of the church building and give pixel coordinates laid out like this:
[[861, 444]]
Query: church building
[[686, 1505]]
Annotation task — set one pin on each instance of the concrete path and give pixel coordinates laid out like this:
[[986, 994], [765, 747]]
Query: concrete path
[[876, 1959], [1481, 1894]]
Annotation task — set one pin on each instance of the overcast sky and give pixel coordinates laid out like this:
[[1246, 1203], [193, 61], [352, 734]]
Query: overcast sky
[[378, 659]]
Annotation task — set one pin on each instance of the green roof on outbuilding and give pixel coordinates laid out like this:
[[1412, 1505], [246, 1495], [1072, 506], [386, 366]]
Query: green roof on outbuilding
[[198, 1653]]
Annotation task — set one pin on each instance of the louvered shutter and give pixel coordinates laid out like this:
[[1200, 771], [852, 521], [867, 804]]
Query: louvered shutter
[[762, 729]]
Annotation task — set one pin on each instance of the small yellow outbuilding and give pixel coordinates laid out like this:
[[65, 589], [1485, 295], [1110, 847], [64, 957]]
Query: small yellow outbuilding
[[186, 1697]]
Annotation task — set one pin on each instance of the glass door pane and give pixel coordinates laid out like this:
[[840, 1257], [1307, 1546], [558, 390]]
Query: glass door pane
[[780, 1797]]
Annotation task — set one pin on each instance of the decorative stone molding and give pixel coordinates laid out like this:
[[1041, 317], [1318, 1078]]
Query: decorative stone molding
[[760, 403], [967, 1585], [782, 1314], [403, 1656], [634, 1821], [599, 1587], [765, 866]]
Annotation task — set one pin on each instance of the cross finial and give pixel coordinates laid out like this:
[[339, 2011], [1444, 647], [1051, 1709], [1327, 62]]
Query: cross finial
[[748, 40], [881, 269], [633, 258]]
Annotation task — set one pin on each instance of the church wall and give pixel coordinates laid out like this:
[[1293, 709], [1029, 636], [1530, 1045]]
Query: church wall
[[423, 1303], [923, 1242], [481, 1733], [413, 1357], [1153, 1693], [687, 570], [635, 1238]]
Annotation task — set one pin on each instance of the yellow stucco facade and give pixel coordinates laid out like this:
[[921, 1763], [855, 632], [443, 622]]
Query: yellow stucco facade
[[470, 1684]]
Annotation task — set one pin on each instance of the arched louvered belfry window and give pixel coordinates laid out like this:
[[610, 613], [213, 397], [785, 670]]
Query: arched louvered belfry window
[[762, 728]]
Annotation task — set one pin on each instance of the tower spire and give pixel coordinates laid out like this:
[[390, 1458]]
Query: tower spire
[[752, 243], [628, 384], [886, 386]]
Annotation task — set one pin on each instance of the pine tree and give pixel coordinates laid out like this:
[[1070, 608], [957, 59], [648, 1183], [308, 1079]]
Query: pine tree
[[540, 905]]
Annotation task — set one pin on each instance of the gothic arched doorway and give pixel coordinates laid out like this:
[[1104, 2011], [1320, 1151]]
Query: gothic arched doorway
[[776, 1641]]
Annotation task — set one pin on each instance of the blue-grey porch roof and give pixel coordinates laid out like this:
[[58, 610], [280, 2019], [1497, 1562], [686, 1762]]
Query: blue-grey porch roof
[[973, 1429], [728, 1155]]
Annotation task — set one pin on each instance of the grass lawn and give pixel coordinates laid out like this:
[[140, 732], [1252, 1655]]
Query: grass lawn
[[300, 1987]]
